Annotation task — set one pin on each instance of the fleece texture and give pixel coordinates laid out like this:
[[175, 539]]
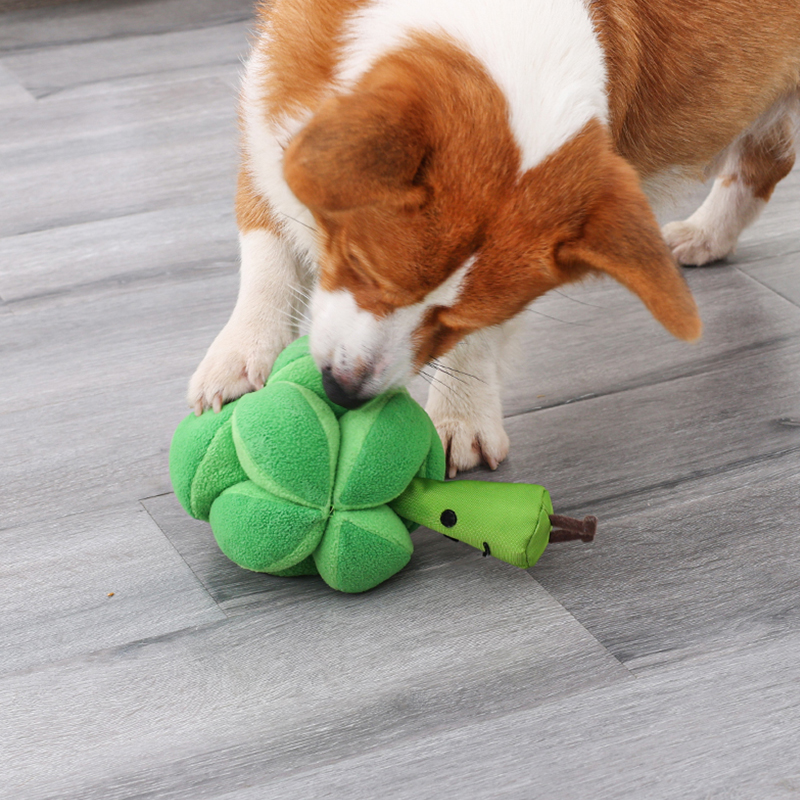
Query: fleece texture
[[202, 460], [293, 484]]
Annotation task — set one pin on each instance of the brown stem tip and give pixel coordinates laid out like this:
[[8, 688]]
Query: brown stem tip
[[568, 529]]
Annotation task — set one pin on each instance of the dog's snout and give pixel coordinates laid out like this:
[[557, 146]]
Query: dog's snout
[[345, 396]]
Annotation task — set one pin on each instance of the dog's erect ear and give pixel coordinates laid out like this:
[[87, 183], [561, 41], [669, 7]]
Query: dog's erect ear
[[360, 149], [620, 237]]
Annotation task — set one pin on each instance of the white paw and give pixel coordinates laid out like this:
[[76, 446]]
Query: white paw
[[471, 434], [693, 244], [239, 361]]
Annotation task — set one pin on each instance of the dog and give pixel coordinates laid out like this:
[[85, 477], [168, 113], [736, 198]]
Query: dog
[[416, 172]]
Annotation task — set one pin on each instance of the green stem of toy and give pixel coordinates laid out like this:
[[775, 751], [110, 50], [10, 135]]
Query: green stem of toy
[[510, 521]]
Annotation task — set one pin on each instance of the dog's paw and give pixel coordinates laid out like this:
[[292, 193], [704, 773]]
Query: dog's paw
[[239, 361], [693, 245], [469, 437]]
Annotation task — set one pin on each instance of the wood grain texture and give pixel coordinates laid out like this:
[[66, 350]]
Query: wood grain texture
[[610, 450], [93, 20], [94, 257], [578, 344], [83, 582], [45, 71], [133, 106], [98, 388], [12, 93], [660, 661], [92, 171], [724, 729], [267, 694], [238, 591], [709, 567]]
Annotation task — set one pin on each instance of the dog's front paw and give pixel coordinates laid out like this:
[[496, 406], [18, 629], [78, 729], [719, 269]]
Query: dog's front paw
[[470, 435], [239, 361], [692, 244]]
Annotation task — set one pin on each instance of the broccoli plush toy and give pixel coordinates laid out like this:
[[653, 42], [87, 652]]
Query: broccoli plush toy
[[293, 484]]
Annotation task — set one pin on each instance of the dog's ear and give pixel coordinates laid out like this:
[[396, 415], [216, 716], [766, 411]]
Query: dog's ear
[[620, 237], [360, 149]]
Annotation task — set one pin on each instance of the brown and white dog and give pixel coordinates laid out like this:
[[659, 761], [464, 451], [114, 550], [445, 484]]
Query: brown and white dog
[[421, 170]]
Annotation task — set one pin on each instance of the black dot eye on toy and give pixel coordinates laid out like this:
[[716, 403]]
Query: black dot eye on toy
[[294, 484], [448, 518]]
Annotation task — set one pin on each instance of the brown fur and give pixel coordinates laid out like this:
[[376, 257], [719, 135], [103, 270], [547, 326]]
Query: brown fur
[[306, 37], [252, 212], [686, 78], [416, 168], [765, 160], [403, 200]]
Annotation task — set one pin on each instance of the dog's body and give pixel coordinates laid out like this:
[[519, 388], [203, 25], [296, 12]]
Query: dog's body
[[432, 166]]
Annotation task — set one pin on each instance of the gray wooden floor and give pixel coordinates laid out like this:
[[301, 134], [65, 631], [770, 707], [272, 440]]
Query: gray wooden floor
[[662, 661]]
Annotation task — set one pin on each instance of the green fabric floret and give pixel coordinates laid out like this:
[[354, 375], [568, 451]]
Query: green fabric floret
[[293, 484]]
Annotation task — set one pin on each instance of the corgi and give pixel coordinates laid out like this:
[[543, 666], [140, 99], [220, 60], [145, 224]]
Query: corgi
[[414, 173]]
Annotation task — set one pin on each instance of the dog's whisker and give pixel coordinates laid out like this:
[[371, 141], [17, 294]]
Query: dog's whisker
[[448, 370], [556, 319], [299, 222], [301, 291], [429, 380], [301, 295], [293, 315], [445, 371], [575, 299], [433, 380]]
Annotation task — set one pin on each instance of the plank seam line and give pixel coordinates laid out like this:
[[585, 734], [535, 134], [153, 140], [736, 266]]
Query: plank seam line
[[188, 565]]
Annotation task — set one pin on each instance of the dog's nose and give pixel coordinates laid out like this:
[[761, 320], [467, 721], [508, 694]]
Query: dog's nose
[[342, 396]]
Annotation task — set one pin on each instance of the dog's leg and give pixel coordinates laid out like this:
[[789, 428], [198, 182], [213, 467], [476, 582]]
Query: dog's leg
[[263, 320], [464, 401], [752, 168]]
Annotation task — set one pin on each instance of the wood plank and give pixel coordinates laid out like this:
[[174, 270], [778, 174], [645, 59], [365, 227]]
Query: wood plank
[[201, 711], [598, 338], [137, 105], [121, 336], [12, 93], [776, 266], [47, 70], [238, 591], [624, 446], [181, 243], [709, 567], [91, 20], [720, 729], [58, 574], [118, 174]]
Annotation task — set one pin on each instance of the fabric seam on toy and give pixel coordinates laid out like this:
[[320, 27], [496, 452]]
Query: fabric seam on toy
[[336, 496], [284, 493], [206, 456]]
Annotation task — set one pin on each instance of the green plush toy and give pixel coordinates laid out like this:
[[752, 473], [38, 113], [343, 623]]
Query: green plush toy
[[293, 484]]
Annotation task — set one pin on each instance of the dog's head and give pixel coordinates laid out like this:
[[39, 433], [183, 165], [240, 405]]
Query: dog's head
[[429, 229]]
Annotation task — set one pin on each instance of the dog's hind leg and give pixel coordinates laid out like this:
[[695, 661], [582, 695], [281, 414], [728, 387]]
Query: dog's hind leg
[[750, 170]]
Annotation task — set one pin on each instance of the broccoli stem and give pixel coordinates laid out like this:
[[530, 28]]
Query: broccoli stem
[[510, 521]]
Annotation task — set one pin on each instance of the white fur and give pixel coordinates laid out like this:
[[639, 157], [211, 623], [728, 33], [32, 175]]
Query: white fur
[[465, 403], [261, 325], [264, 141], [349, 339], [711, 233], [545, 57], [543, 54]]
